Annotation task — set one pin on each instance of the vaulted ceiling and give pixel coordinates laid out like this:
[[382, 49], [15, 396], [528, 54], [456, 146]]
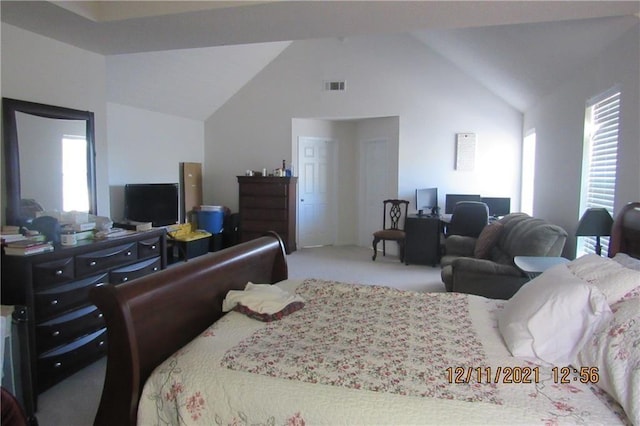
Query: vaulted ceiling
[[187, 58]]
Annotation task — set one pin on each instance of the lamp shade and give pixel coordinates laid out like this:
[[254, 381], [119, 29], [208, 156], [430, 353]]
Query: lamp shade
[[595, 222]]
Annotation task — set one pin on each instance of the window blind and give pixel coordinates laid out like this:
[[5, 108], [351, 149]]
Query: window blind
[[601, 154]]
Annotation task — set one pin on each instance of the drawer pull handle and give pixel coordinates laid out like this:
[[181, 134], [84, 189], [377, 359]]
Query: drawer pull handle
[[93, 263], [99, 284], [54, 302], [59, 272], [57, 365], [125, 279], [101, 343], [155, 268], [128, 253], [153, 247], [55, 333], [100, 315]]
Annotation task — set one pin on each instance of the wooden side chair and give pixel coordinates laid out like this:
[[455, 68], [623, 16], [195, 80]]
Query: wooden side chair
[[393, 213]]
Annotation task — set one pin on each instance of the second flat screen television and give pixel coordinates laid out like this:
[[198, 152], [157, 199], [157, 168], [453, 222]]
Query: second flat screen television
[[151, 202], [452, 199], [498, 206]]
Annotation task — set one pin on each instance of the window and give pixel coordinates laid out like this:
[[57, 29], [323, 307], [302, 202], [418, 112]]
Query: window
[[74, 174], [599, 160], [528, 170]]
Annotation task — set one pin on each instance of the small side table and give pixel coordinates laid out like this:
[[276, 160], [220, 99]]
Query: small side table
[[535, 265]]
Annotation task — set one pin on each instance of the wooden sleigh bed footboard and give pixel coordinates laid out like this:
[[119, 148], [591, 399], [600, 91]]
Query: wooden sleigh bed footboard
[[150, 318]]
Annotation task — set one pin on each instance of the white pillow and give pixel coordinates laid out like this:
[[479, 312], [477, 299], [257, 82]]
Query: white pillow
[[627, 261], [615, 351], [551, 317], [613, 279]]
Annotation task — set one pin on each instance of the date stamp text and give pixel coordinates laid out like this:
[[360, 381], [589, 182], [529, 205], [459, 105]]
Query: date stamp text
[[518, 375]]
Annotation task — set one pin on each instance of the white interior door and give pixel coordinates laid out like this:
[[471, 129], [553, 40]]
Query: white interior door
[[316, 192], [375, 186]]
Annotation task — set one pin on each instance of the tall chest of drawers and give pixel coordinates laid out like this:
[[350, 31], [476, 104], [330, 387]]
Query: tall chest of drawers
[[268, 204], [67, 332]]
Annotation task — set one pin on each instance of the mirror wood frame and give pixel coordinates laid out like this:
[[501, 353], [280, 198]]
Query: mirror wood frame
[[12, 153]]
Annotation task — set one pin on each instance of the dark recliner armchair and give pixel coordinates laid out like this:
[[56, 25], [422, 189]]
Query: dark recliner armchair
[[471, 266]]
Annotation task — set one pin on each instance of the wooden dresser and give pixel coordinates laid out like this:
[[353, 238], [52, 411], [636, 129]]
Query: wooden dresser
[[268, 204], [66, 332]]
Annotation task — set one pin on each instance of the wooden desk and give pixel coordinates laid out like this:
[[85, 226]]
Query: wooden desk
[[422, 243]]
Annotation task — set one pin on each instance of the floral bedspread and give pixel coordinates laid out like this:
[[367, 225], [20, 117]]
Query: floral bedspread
[[363, 355], [372, 338]]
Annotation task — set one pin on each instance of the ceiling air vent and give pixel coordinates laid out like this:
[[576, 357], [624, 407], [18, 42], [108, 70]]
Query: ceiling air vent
[[335, 86]]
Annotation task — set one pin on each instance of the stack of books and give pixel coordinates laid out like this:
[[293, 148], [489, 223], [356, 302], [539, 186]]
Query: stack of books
[[26, 247], [10, 233], [83, 227], [113, 233], [80, 234]]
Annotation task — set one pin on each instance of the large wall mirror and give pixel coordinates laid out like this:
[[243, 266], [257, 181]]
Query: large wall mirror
[[49, 158]]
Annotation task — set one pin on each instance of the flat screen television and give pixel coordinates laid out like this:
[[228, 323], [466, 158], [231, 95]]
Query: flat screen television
[[427, 200], [151, 202], [452, 199], [498, 206]]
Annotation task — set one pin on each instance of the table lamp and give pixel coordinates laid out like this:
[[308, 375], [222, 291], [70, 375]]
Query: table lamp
[[595, 222]]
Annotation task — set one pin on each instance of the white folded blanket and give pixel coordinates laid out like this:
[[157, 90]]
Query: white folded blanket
[[261, 298]]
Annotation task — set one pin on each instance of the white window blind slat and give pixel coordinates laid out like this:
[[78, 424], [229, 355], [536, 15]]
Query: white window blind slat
[[601, 154]]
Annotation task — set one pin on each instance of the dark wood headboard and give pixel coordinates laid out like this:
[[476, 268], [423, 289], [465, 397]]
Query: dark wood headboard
[[625, 234], [150, 318]]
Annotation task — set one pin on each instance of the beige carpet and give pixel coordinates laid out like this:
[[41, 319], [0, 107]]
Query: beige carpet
[[74, 401], [354, 265]]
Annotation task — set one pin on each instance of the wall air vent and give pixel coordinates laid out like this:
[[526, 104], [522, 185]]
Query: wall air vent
[[335, 86]]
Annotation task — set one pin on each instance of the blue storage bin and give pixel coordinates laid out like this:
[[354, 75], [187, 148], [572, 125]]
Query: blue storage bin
[[211, 219]]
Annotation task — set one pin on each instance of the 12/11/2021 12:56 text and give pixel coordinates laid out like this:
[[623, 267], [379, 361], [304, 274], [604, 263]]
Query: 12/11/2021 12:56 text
[[516, 375]]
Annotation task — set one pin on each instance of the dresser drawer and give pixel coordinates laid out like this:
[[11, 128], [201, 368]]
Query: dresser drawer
[[58, 363], [55, 287], [268, 189], [137, 270], [264, 226], [149, 248], [251, 202], [265, 214], [67, 327], [54, 272], [57, 300], [100, 260]]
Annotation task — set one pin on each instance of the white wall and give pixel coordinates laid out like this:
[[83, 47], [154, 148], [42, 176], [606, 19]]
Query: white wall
[[132, 145], [40, 69], [386, 76], [148, 147], [559, 122]]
